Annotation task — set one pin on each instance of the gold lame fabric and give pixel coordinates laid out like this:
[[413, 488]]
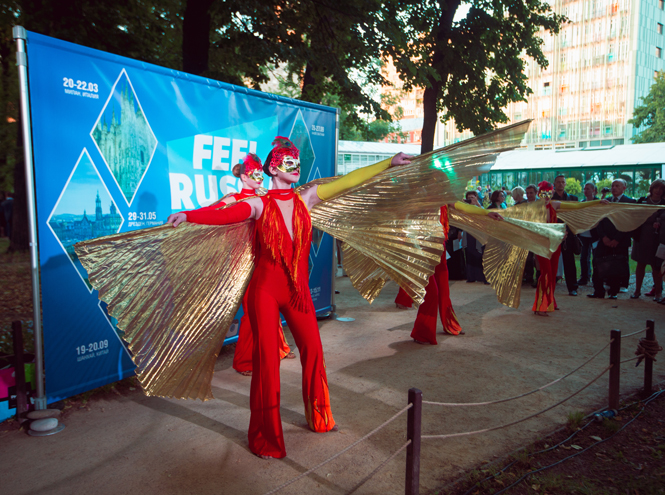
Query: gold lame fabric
[[624, 216], [392, 220], [366, 275], [508, 242], [174, 292]]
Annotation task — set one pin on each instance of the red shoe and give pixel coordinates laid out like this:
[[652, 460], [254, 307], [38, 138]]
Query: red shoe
[[651, 293]]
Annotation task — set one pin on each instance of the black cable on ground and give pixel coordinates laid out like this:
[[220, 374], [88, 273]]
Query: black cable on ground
[[475, 487], [646, 402]]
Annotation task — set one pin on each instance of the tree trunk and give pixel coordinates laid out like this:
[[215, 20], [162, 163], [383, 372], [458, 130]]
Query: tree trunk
[[20, 240], [433, 93], [196, 36], [308, 84], [430, 117]]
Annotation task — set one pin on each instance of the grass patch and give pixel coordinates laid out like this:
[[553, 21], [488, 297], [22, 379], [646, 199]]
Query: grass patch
[[575, 419]]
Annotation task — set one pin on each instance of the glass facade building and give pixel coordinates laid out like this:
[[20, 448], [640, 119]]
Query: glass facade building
[[601, 64]]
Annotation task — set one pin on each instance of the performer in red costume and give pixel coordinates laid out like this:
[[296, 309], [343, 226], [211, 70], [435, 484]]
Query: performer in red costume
[[437, 298], [545, 302], [250, 172], [280, 284]]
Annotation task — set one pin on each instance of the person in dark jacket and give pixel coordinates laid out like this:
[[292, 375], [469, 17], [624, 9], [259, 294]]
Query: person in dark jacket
[[587, 238], [610, 258], [647, 240], [568, 245]]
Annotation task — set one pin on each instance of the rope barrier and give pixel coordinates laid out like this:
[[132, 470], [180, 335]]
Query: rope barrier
[[471, 404], [469, 433], [379, 467], [634, 333], [647, 348], [311, 470], [632, 359]]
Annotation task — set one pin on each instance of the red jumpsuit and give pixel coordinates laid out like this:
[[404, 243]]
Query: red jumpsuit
[[242, 359], [437, 300], [547, 281], [280, 284]]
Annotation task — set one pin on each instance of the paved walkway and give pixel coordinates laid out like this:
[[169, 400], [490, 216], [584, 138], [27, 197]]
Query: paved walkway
[[139, 445]]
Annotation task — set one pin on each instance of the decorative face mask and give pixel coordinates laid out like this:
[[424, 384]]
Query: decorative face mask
[[256, 175], [289, 165], [545, 194]]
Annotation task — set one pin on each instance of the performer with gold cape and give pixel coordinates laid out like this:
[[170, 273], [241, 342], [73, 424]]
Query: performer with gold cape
[[437, 301], [175, 291]]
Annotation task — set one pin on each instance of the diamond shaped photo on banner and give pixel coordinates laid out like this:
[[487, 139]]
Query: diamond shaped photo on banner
[[300, 137], [124, 137], [85, 210]]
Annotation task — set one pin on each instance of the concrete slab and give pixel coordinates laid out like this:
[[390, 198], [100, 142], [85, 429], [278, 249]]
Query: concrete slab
[[141, 445]]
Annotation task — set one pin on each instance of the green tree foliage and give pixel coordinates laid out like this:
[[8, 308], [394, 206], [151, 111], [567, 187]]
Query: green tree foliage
[[603, 183], [573, 186], [651, 114], [470, 69]]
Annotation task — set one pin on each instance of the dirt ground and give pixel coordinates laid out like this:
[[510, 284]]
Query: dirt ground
[[124, 442]]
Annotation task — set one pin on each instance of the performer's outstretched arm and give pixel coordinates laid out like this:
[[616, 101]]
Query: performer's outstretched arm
[[237, 212], [322, 192], [475, 210]]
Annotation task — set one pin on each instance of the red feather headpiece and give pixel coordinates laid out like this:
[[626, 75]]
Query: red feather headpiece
[[249, 163], [282, 147], [545, 186]]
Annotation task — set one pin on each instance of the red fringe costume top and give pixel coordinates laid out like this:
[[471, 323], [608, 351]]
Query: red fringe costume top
[[545, 301]]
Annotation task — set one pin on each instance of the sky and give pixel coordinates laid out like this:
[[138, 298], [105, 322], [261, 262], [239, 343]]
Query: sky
[[82, 190]]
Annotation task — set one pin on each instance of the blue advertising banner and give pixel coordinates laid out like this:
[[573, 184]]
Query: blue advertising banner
[[119, 145]]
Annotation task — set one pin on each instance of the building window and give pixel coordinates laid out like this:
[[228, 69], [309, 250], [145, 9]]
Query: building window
[[658, 52], [661, 4], [655, 74], [659, 28]]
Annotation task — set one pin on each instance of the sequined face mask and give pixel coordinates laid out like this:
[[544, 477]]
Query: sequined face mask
[[256, 175], [289, 165], [545, 194]]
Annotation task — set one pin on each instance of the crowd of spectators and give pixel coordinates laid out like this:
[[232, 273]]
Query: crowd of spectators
[[604, 251]]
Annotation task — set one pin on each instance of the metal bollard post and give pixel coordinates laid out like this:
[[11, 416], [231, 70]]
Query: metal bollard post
[[615, 370], [19, 371], [648, 363], [413, 426]]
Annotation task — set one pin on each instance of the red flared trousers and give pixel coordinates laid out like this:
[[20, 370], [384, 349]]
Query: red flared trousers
[[242, 358], [268, 295], [437, 300], [545, 300]]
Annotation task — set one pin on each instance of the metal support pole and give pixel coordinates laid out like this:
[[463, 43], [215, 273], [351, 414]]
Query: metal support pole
[[19, 372], [648, 362], [334, 241], [20, 35], [615, 370], [413, 425]]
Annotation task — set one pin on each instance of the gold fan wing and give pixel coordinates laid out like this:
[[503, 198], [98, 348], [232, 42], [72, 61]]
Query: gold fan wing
[[392, 220], [174, 292]]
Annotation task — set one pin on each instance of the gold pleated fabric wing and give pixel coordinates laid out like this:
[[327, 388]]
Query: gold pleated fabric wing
[[507, 244], [174, 292], [503, 263], [625, 216], [390, 224]]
